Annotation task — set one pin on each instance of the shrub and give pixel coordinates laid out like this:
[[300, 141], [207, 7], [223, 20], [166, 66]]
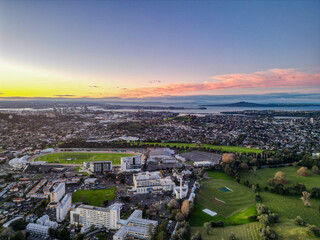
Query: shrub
[[298, 220], [258, 198], [303, 171], [253, 218], [232, 236], [314, 229], [271, 182]]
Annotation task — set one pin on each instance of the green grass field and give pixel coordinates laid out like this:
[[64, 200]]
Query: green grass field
[[79, 158], [291, 206], [287, 230], [239, 203], [243, 232], [94, 197], [194, 145], [262, 176]]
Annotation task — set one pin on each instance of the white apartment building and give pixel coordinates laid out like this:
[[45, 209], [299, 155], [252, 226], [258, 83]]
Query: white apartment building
[[37, 229], [146, 182], [63, 208], [135, 226], [86, 216], [130, 164], [98, 166], [58, 193]]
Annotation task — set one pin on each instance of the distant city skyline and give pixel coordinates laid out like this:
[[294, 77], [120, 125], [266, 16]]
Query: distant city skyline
[[150, 49]]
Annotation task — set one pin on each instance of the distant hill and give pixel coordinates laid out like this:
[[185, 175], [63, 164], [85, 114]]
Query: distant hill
[[248, 104]]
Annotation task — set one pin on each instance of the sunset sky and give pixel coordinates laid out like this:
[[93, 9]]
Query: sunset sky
[[136, 49]]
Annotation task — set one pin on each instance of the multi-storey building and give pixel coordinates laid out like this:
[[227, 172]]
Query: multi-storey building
[[135, 226], [86, 216], [146, 182], [130, 164], [63, 208], [58, 193], [98, 166]]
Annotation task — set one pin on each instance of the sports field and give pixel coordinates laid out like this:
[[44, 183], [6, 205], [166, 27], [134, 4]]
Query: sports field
[[233, 206], [80, 157], [194, 145], [262, 175], [94, 197]]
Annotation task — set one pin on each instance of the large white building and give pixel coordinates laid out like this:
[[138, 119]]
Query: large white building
[[135, 226], [130, 164], [98, 166], [86, 216], [146, 182], [63, 208], [41, 228], [58, 193], [37, 229]]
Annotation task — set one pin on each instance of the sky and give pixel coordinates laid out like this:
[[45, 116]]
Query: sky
[[145, 49]]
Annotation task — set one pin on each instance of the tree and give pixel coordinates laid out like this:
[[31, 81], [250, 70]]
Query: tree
[[228, 158], [244, 166], [185, 208], [179, 217], [196, 236], [18, 225], [315, 169], [268, 233], [207, 227], [303, 171], [280, 177], [79, 236], [306, 198], [174, 204], [262, 209]]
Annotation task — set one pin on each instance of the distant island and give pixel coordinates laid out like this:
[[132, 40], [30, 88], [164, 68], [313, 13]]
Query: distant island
[[271, 105]]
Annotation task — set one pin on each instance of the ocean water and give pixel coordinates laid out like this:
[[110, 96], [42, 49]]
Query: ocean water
[[209, 110]]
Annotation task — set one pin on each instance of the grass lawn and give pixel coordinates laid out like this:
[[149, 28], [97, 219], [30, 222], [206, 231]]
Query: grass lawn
[[194, 145], [239, 203], [79, 158], [287, 230], [262, 176], [94, 197], [292, 206], [248, 231]]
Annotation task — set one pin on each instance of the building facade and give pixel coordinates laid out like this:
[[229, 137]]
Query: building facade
[[135, 226], [98, 166], [130, 164], [58, 193], [63, 208], [86, 216], [147, 182]]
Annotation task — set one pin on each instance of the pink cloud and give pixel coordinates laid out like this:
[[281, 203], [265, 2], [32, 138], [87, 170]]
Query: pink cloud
[[273, 78]]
